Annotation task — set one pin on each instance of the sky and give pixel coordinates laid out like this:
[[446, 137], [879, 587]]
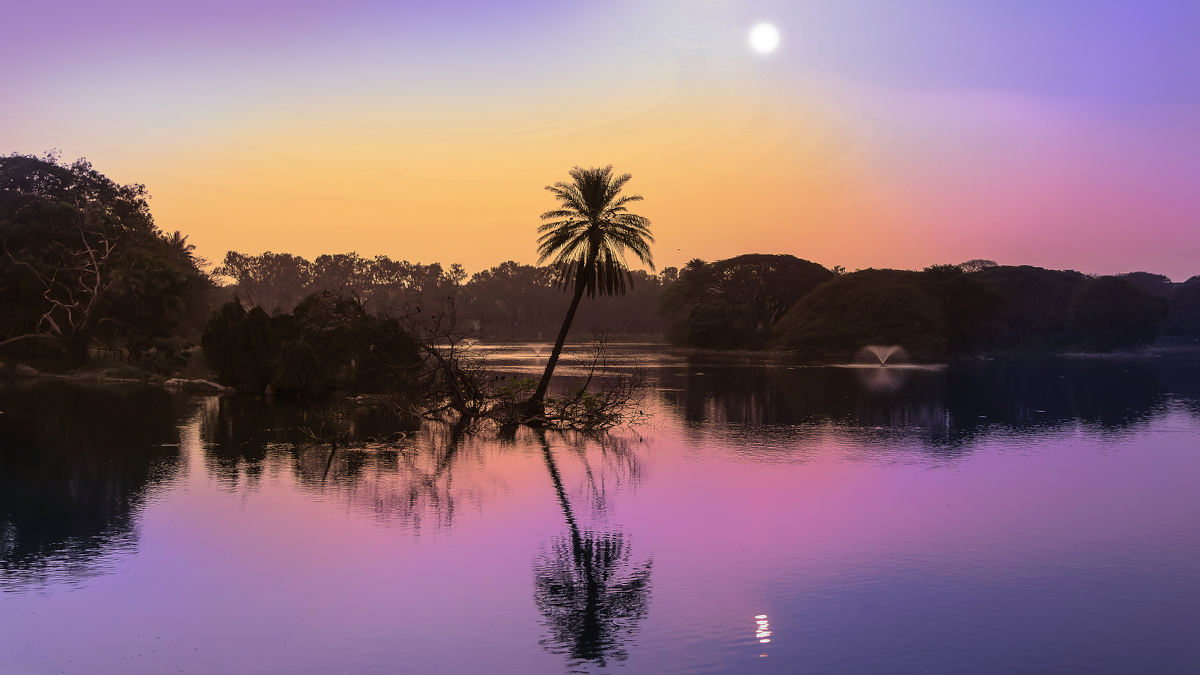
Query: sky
[[1058, 133]]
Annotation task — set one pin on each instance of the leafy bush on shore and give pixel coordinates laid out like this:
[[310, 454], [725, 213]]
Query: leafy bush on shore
[[328, 343]]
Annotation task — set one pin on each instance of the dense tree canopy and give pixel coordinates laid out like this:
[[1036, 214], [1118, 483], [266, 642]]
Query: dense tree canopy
[[329, 343], [735, 303], [83, 260], [1113, 313], [887, 307], [1183, 317], [1033, 308]]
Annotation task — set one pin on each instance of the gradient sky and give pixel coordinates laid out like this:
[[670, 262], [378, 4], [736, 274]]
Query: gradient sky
[[1059, 133]]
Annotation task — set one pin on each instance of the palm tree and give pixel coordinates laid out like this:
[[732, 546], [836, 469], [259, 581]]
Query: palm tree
[[586, 238], [179, 241]]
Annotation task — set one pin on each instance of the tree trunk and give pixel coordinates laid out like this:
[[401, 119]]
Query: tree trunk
[[535, 407]]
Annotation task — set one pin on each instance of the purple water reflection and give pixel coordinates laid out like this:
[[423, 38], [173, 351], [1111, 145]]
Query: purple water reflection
[[1035, 519]]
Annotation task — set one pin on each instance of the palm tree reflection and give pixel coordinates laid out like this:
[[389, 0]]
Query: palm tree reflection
[[590, 594]]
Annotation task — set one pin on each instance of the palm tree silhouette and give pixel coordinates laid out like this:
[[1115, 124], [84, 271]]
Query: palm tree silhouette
[[179, 241], [586, 238]]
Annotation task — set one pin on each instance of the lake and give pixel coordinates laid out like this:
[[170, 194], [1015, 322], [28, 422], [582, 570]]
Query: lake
[[1003, 516]]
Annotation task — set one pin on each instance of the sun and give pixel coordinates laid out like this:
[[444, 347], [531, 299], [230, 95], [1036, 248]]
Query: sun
[[764, 38]]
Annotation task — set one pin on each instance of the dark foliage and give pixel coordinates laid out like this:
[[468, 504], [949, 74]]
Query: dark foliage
[[867, 307], [945, 311], [1033, 307], [1183, 319], [1158, 285], [508, 301], [1109, 313], [735, 303], [328, 343], [83, 262], [969, 305]]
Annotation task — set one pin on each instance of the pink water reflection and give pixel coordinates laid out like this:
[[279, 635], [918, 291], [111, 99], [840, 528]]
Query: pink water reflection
[[1069, 544]]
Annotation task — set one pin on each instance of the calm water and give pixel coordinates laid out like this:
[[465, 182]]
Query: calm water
[[992, 517]]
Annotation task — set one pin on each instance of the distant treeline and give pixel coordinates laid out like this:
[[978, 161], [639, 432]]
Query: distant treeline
[[508, 301], [761, 301], [780, 301], [84, 271]]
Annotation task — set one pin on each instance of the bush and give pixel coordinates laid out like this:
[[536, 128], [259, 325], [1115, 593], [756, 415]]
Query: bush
[[330, 342]]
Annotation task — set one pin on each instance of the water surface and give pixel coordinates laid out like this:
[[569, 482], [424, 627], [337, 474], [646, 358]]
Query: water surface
[[985, 517]]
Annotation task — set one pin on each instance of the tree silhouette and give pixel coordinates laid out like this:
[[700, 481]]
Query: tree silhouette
[[82, 260], [586, 238]]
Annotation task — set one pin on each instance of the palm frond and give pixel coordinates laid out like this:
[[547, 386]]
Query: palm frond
[[589, 234]]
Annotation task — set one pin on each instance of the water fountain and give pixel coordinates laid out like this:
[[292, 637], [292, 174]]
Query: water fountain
[[881, 353]]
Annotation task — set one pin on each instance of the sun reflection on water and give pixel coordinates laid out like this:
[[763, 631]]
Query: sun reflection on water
[[762, 631]]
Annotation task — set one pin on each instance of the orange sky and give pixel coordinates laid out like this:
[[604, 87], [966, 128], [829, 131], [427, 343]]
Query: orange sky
[[868, 139]]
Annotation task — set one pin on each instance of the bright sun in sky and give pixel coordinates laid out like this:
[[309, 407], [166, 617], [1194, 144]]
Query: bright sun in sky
[[764, 38]]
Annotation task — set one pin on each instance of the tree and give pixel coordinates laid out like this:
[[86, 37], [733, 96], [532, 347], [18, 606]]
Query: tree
[[1032, 307], [329, 343], [1184, 318], [976, 264], [735, 303], [881, 307], [82, 260], [1110, 313], [272, 281], [586, 238]]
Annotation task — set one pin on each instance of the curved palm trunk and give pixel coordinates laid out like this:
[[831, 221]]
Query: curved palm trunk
[[536, 402], [535, 407]]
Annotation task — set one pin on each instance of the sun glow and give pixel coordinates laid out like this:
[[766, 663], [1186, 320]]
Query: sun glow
[[764, 38]]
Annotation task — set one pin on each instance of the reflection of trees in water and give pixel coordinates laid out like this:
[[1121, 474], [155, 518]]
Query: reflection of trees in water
[[372, 459], [398, 469], [592, 597], [946, 408], [609, 464], [243, 432], [412, 483], [76, 463]]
